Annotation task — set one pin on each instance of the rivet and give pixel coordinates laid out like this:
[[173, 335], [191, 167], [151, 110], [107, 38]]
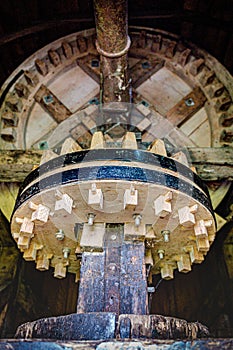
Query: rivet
[[189, 102], [137, 219], [66, 252], [166, 235], [60, 235], [90, 218], [161, 254]]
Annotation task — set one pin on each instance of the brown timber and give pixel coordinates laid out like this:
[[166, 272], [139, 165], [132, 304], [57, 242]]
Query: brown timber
[[112, 39]]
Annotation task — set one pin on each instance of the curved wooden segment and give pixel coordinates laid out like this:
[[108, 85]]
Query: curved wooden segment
[[69, 70]]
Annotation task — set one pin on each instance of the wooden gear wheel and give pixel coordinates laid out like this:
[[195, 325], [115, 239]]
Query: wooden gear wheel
[[65, 204]]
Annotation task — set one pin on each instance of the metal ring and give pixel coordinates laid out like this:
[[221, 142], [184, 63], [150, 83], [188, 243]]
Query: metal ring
[[116, 54]]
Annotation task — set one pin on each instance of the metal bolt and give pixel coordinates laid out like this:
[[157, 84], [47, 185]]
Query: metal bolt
[[66, 253], [161, 254], [60, 235], [166, 235], [90, 218], [189, 102], [137, 219]]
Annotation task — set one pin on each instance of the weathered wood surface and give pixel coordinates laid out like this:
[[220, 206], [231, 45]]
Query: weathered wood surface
[[9, 258], [102, 325], [8, 194], [211, 163], [115, 280]]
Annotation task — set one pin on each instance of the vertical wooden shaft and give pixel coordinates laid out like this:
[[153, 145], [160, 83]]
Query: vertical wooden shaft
[[113, 43], [115, 280]]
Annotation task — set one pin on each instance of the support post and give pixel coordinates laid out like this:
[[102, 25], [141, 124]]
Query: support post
[[115, 280]]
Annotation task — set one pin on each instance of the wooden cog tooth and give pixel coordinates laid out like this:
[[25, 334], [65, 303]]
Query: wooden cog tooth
[[30, 253], [60, 271], [54, 57], [98, 140], [129, 141], [47, 155], [196, 257], [167, 272], [158, 147], [186, 215], [203, 245], [95, 196], [130, 197], [183, 264], [162, 205], [43, 262], [181, 158], [69, 146], [148, 257]]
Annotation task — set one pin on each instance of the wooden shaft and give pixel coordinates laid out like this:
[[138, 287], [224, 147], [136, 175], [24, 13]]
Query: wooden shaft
[[115, 280], [111, 18]]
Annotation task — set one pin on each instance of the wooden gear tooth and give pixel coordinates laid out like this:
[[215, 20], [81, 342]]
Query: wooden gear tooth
[[167, 272], [162, 205], [69, 146], [203, 245], [92, 238], [158, 147], [43, 262], [60, 271], [196, 257], [183, 264], [67, 49], [54, 57], [47, 155], [130, 198], [200, 228], [129, 141], [132, 232], [181, 158], [186, 215], [41, 212], [97, 140], [148, 257], [66, 203], [23, 242], [30, 253], [95, 196], [41, 66], [27, 225]]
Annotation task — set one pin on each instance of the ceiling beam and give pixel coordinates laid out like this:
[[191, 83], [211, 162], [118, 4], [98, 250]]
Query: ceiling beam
[[211, 163]]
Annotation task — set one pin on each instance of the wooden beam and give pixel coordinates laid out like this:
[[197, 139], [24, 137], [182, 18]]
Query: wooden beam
[[211, 163]]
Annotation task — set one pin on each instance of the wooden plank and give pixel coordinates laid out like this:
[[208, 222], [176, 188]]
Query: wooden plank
[[164, 90], [133, 283], [202, 135], [113, 242], [91, 289], [52, 104], [144, 69], [215, 162], [187, 107]]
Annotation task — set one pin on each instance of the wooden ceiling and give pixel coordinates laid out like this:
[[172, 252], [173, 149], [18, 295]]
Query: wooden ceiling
[[27, 25]]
